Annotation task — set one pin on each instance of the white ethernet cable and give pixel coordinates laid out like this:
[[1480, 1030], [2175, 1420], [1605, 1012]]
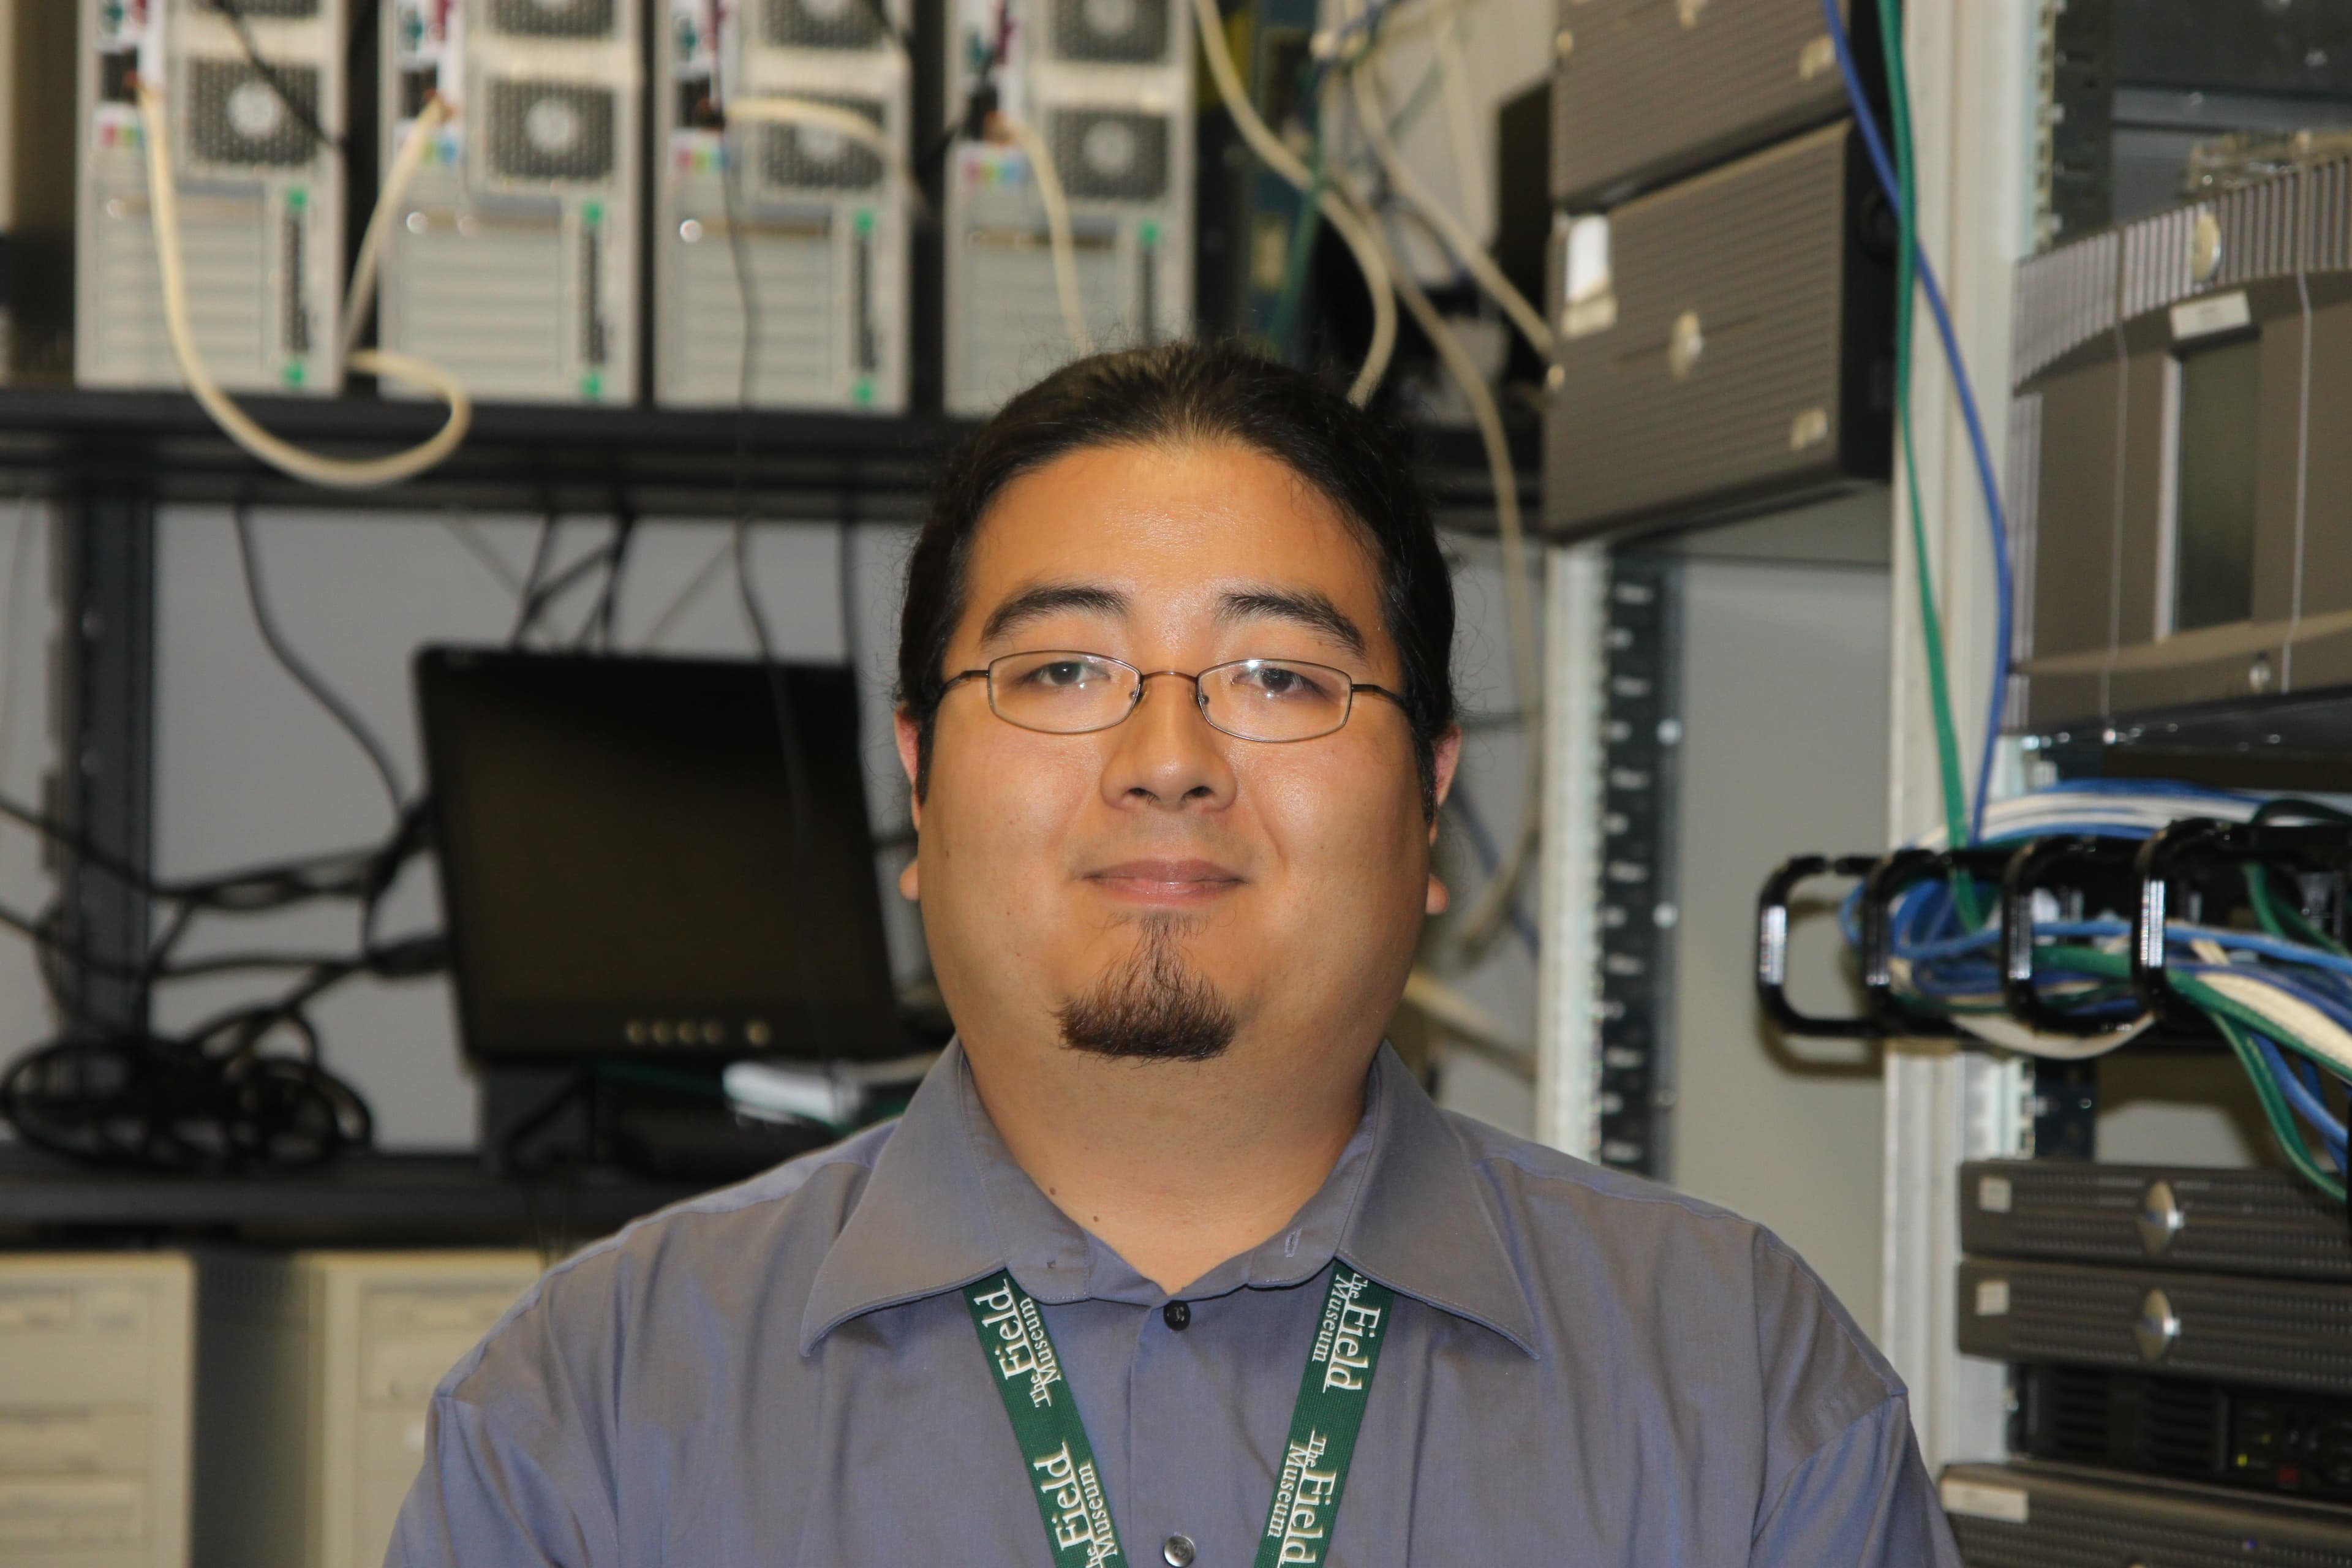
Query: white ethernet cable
[[1450, 228], [1058, 229], [341, 473]]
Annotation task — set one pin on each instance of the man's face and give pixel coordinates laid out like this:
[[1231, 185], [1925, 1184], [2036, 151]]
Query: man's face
[[1161, 888]]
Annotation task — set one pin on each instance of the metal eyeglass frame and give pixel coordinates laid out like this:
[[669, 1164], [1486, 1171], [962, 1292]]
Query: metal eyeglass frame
[[1199, 696]]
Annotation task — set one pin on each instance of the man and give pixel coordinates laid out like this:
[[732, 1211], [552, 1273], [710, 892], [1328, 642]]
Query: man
[[1171, 1260]]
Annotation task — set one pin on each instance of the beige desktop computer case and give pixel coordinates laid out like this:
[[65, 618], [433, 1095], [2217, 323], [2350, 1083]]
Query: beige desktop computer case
[[95, 1362], [316, 1370]]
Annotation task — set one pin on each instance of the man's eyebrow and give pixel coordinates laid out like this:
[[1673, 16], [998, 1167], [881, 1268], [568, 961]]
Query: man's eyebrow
[[1051, 599], [1300, 606]]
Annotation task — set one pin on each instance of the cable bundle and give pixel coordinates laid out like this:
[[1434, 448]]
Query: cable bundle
[[2056, 936]]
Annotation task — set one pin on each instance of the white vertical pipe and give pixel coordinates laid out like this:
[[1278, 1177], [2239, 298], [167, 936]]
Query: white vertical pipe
[[1973, 108], [1568, 982]]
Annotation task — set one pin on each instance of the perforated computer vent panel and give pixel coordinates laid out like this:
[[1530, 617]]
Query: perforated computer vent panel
[[551, 131], [1111, 154], [236, 117], [1111, 32], [820, 24], [552, 18], [270, 10], [809, 157]]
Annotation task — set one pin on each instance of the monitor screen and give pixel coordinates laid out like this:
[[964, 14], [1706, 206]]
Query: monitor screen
[[655, 856]]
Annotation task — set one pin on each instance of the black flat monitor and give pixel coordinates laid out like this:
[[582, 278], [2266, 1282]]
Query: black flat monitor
[[653, 858]]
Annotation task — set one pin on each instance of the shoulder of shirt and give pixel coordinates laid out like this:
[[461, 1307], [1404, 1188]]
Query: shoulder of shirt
[[1552, 1199], [824, 1184]]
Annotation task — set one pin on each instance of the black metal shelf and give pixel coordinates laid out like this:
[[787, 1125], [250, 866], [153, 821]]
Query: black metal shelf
[[360, 1200], [663, 462]]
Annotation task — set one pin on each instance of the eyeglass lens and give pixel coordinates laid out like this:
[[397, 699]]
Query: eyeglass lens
[[1067, 693]]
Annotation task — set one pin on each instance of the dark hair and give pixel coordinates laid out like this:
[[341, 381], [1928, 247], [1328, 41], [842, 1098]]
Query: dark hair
[[1182, 394]]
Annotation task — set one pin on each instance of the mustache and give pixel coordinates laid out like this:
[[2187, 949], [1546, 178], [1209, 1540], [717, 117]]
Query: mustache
[[1155, 1007]]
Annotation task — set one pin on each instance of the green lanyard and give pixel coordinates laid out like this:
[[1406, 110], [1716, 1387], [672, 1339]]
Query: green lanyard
[[1062, 1472]]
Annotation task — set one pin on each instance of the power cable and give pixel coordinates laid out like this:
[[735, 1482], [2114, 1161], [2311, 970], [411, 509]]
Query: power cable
[[379, 756]]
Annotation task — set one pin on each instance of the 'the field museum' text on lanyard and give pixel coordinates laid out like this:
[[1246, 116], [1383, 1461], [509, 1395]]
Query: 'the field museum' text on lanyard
[[1062, 1473]]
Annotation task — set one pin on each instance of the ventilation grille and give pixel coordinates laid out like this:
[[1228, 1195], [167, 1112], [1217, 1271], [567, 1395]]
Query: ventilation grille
[[2065, 297], [551, 131], [1114, 32], [821, 24], [236, 115], [1111, 154], [552, 18], [272, 10], [810, 157]]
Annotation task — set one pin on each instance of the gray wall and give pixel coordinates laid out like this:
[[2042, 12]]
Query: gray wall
[[247, 766], [1784, 706]]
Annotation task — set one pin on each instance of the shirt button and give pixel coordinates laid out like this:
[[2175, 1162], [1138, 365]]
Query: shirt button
[[1178, 1549], [1178, 1315]]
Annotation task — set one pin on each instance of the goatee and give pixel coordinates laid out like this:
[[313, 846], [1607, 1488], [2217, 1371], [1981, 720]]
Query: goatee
[[1153, 1007]]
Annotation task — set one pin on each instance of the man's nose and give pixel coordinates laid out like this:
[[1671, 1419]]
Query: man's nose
[[1167, 752]]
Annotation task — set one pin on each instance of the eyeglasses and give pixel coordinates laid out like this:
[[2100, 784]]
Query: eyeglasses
[[1061, 692]]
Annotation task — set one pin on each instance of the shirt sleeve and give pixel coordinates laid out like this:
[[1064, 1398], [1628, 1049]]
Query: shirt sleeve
[[505, 1503], [1860, 1501]]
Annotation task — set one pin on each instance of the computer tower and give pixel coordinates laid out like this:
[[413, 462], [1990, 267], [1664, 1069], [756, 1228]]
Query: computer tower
[[513, 261], [2050, 1516], [1740, 76], [780, 280], [96, 1363], [1108, 87], [315, 1371], [260, 192], [1731, 349]]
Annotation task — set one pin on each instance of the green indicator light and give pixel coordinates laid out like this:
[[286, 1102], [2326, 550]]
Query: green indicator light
[[592, 213], [1148, 233], [863, 391], [297, 198], [865, 220], [294, 373], [591, 386]]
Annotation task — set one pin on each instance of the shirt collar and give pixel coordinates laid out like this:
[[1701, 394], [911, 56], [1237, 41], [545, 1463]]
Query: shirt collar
[[947, 1205]]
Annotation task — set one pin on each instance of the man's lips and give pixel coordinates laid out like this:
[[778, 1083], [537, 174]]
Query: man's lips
[[1165, 881]]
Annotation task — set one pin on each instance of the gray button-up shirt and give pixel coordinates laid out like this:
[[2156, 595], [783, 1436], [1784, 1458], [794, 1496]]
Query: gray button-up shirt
[[1581, 1368]]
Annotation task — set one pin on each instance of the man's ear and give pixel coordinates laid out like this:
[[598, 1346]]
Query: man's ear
[[908, 730], [1448, 751]]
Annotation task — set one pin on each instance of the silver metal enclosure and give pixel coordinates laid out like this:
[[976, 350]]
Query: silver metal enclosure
[[2114, 573], [1733, 353], [2282, 1334], [512, 262], [260, 196], [1108, 86], [780, 266], [1737, 73], [2052, 1516], [2199, 1218]]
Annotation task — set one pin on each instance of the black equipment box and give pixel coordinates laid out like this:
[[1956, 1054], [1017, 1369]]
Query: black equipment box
[[2280, 1334], [2153, 1216], [2048, 1516]]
